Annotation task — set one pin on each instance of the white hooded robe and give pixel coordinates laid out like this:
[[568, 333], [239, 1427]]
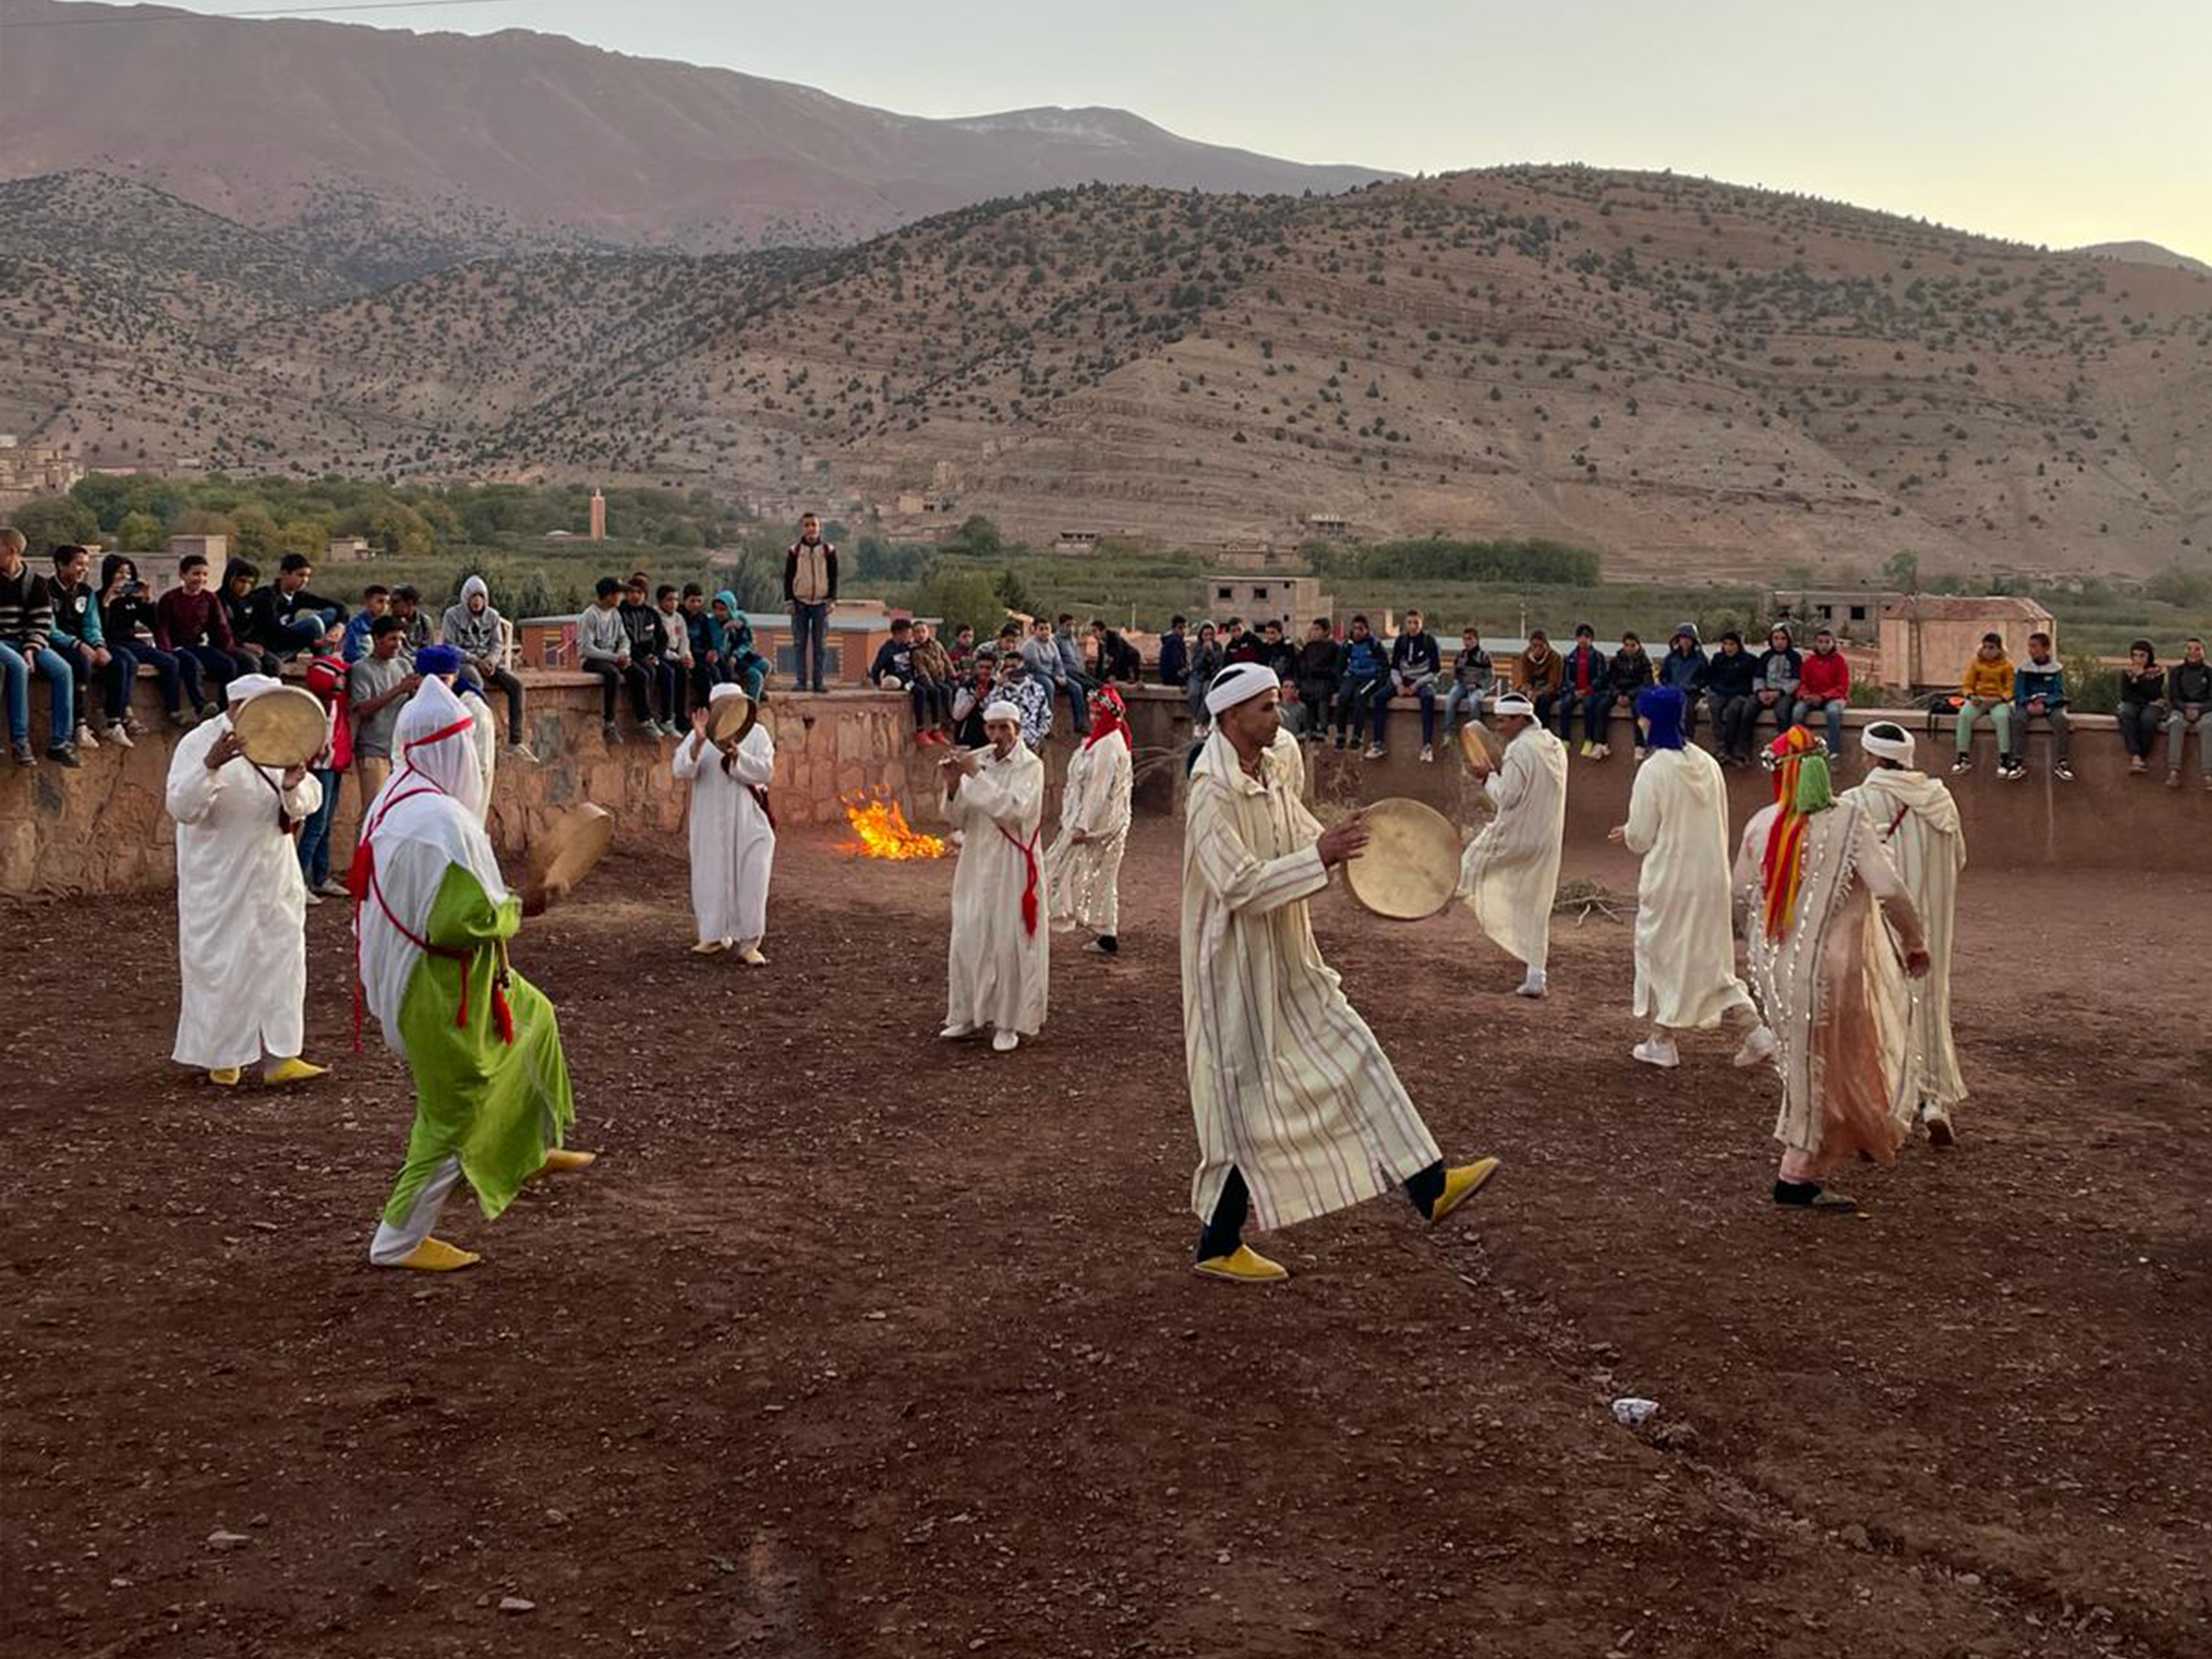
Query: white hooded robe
[[1509, 874], [996, 968], [1685, 977], [733, 844], [1916, 818], [1085, 875]]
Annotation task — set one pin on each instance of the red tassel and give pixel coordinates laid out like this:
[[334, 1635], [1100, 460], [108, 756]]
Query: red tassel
[[1029, 885], [503, 1016]]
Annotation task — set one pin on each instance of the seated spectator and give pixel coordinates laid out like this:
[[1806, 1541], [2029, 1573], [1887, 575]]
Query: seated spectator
[[1317, 678], [932, 687], [1291, 712], [376, 686], [1277, 652], [1542, 670], [375, 601], [79, 640], [1470, 680], [1415, 662], [1824, 688], [1781, 669], [1117, 661], [472, 627], [2142, 703], [1585, 690], [415, 631], [126, 620], [1683, 669], [1206, 661], [1986, 689], [1363, 677], [327, 676], [1042, 663], [245, 606], [190, 620], [27, 615], [676, 655], [603, 648], [1239, 643], [699, 638], [1628, 676], [2039, 692], [2188, 695], [1732, 681], [962, 650], [1029, 691], [1075, 681], [893, 671], [648, 643], [978, 685], [743, 666], [291, 619], [1174, 653]]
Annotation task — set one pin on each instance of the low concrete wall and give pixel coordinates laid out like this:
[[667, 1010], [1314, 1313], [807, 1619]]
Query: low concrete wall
[[103, 828], [2104, 819]]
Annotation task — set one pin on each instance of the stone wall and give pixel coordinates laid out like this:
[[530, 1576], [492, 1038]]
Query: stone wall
[[2105, 819], [102, 827]]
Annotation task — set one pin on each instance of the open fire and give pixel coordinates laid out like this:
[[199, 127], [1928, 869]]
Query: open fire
[[882, 832]]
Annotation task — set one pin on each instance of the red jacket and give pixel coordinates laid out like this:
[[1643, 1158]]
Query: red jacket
[[1823, 676], [326, 679]]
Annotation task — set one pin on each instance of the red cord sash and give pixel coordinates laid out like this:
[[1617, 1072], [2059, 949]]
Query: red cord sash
[[1029, 886]]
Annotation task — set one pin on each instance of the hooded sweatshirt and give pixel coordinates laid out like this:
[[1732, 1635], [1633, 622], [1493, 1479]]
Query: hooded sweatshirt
[[1683, 667], [2046, 680], [474, 635], [1986, 677]]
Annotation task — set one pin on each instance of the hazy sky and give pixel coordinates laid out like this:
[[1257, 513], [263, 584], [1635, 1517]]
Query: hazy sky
[[2048, 120]]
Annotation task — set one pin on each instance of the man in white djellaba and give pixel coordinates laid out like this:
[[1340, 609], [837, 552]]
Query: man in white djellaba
[[732, 831], [1084, 867], [998, 961], [242, 903], [1685, 977], [1919, 821], [1509, 875]]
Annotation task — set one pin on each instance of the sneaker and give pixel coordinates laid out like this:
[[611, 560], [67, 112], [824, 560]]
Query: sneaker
[[84, 738], [19, 750], [1375, 751], [523, 752], [2062, 771], [183, 719], [1758, 1047], [2172, 778], [1641, 752], [1657, 1051], [1338, 741], [330, 887], [1536, 983], [1005, 1042], [63, 754], [312, 897], [1428, 753], [1964, 763], [1587, 746], [609, 733], [651, 729], [2011, 771], [1603, 751], [2137, 766], [119, 735]]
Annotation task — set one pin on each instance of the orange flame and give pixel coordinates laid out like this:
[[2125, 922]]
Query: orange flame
[[883, 833]]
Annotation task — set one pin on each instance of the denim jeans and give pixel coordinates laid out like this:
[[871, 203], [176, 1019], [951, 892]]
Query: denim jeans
[[1834, 716], [1353, 704], [315, 834], [1461, 696], [1731, 722], [2139, 724], [1079, 706], [809, 631], [298, 634], [218, 667], [179, 675], [1381, 711], [114, 680], [16, 667]]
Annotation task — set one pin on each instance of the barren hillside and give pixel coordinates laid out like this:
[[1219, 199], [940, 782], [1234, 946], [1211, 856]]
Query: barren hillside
[[1693, 377]]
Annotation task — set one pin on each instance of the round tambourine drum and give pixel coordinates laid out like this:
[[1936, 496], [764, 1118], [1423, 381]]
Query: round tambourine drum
[[1411, 867], [571, 845], [728, 718], [1480, 745], [283, 728]]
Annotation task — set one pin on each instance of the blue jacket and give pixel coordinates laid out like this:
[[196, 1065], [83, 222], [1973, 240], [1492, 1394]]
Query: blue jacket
[[1175, 659], [2047, 682], [357, 636], [1363, 660], [1685, 671]]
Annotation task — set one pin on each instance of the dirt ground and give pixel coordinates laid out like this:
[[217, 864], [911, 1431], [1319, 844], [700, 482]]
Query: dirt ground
[[859, 1343]]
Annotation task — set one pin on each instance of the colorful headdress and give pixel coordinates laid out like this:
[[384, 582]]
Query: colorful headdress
[[1799, 763], [1108, 715]]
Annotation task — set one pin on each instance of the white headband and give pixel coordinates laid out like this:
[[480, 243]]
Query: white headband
[[1239, 683], [1875, 741], [1002, 710], [247, 686], [1513, 704]]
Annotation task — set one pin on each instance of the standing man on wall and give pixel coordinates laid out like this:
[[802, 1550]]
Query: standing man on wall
[[810, 588]]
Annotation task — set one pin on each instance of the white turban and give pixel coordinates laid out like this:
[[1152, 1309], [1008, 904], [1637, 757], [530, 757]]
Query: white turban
[[1512, 703], [1002, 710], [1240, 682], [1889, 740], [247, 686], [725, 689]]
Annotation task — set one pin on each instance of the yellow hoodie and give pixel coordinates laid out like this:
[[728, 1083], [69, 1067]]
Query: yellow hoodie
[[1984, 678]]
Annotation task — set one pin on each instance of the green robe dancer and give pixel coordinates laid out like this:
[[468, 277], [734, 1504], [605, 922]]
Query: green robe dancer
[[432, 919]]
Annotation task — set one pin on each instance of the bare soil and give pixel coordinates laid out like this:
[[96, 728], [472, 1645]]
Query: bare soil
[[859, 1343]]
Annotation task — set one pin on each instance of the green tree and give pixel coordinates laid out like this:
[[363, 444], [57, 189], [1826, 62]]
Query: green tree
[[1901, 571], [961, 597], [50, 521], [2176, 585], [1012, 594], [977, 535], [140, 533]]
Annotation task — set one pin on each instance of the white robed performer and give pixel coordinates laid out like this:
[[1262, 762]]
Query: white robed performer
[[1509, 875], [1685, 978], [445, 663], [1818, 886], [999, 958], [733, 832], [1298, 1108], [241, 903], [1084, 867], [432, 919], [1917, 818]]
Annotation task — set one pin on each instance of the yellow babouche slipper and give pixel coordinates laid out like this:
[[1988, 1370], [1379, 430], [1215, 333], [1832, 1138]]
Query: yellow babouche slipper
[[751, 957], [1460, 1185], [708, 947], [563, 1160], [295, 1070], [434, 1255], [224, 1077], [1243, 1266]]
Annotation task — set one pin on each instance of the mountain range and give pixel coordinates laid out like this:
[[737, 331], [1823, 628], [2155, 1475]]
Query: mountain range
[[1696, 378]]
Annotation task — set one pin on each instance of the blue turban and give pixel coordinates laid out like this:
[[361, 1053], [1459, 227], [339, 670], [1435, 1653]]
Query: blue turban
[[1660, 708], [437, 660]]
